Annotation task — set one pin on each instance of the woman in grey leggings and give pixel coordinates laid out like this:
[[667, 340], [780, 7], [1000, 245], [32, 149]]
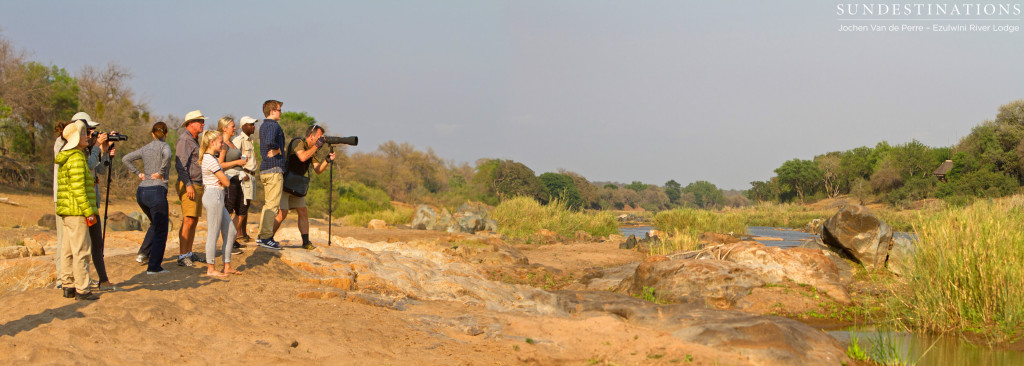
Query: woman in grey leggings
[[218, 220]]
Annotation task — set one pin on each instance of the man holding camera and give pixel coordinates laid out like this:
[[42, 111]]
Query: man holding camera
[[98, 161], [271, 172], [190, 184], [301, 154]]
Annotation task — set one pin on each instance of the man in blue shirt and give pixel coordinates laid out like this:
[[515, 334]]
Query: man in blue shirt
[[271, 171]]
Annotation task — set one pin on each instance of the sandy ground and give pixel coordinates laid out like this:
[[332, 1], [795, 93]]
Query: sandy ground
[[267, 316]]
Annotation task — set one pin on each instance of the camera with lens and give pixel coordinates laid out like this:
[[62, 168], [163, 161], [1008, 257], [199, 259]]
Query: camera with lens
[[111, 136], [334, 140]]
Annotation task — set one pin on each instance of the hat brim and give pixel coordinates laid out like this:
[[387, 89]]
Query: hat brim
[[185, 124], [72, 142]]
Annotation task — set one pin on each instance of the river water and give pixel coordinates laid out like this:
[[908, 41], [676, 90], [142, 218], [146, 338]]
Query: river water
[[789, 237], [910, 348], [925, 349]]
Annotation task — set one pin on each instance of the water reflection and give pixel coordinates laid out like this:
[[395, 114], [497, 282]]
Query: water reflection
[[926, 349]]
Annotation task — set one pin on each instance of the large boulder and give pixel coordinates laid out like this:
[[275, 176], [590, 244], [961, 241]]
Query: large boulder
[[142, 219], [377, 224], [118, 221], [901, 255], [844, 265], [470, 218], [860, 235], [629, 243], [708, 282], [425, 218], [775, 265], [720, 276]]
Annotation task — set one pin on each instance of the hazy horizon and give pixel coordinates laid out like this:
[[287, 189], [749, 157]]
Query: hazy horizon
[[616, 91]]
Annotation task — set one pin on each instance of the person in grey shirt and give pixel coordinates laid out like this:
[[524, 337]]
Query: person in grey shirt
[[152, 195], [189, 185]]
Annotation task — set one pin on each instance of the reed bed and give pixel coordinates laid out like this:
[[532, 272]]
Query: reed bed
[[522, 217], [968, 272], [683, 228]]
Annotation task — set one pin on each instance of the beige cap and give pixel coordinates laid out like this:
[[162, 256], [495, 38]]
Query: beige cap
[[82, 116]]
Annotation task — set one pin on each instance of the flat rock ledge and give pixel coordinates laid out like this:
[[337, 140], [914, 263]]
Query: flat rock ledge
[[400, 272]]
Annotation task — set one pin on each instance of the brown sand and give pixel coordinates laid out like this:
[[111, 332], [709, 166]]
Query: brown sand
[[267, 316]]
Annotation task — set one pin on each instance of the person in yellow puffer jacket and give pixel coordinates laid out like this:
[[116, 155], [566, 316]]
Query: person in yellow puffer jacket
[[76, 204]]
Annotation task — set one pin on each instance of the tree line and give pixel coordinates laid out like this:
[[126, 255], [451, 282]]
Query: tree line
[[988, 162]]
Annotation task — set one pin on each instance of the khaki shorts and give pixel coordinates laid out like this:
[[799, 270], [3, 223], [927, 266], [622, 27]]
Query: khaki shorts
[[191, 208], [289, 202]]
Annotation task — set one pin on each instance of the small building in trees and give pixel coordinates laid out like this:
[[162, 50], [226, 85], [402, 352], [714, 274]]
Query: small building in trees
[[943, 169]]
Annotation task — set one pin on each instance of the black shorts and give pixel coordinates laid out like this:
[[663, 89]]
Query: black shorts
[[235, 200]]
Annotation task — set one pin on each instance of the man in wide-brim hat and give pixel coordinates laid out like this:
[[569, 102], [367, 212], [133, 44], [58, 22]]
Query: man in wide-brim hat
[[190, 184]]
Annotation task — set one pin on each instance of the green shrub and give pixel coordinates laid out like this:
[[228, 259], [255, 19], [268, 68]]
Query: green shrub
[[355, 197], [394, 217], [521, 217], [979, 183], [916, 188]]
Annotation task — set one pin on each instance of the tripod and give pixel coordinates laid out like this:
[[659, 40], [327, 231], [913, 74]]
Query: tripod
[[106, 203], [330, 199]]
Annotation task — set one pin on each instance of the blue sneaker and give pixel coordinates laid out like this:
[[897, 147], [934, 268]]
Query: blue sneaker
[[269, 244]]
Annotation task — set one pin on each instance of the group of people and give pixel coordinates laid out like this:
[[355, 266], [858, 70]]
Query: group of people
[[216, 170]]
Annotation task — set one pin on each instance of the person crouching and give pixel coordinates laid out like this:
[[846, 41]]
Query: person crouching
[[76, 204]]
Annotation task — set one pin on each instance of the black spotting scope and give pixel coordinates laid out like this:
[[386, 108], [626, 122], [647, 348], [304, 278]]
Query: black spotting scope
[[350, 140]]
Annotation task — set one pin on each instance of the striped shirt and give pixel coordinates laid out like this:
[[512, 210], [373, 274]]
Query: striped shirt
[[156, 158], [210, 167], [271, 137]]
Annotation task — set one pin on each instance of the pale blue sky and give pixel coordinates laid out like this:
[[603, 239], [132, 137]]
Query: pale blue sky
[[723, 91]]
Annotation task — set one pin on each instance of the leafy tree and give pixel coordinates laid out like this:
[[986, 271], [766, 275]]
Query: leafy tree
[[673, 189], [636, 186], [861, 190], [760, 191], [610, 186], [588, 192], [914, 158], [507, 179], [561, 187], [855, 164], [887, 176], [828, 164], [801, 175], [705, 194], [295, 124]]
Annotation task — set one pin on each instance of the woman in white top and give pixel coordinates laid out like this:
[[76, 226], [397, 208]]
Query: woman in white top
[[218, 221]]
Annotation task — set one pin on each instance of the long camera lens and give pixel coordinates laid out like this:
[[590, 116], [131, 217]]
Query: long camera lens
[[350, 140], [114, 136]]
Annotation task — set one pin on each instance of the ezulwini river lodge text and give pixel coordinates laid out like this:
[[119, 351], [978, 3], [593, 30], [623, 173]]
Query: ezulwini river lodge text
[[1000, 28]]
